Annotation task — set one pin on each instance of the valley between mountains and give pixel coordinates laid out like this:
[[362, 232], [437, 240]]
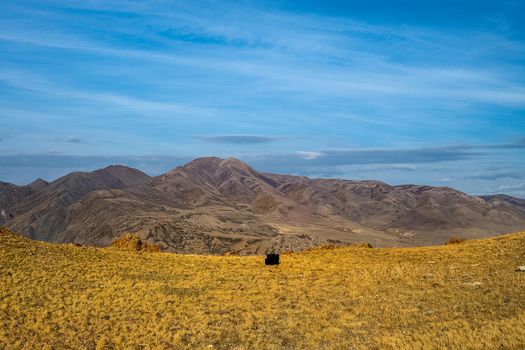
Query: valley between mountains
[[213, 206]]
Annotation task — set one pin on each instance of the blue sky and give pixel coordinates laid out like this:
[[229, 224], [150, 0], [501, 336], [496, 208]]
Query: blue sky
[[403, 92]]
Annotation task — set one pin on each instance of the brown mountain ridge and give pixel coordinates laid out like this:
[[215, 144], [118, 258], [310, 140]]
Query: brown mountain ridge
[[214, 205]]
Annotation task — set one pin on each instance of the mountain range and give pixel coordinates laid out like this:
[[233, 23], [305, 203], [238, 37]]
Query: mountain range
[[214, 205]]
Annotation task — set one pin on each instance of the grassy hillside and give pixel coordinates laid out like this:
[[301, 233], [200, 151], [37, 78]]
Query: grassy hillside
[[464, 296]]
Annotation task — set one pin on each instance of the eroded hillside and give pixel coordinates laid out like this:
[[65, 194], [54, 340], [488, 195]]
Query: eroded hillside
[[214, 205]]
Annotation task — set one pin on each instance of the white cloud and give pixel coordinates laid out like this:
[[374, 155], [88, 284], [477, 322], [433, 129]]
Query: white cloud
[[308, 155], [514, 187]]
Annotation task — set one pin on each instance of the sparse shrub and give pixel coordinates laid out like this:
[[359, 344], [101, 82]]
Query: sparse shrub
[[4, 231], [455, 240], [150, 248], [131, 242], [362, 245], [323, 247]]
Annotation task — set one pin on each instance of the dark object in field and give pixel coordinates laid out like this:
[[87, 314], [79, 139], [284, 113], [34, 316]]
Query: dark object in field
[[271, 259]]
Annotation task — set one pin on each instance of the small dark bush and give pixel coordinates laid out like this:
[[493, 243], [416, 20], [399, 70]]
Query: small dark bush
[[455, 240]]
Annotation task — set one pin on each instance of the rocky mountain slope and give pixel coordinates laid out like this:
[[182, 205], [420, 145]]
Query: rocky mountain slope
[[214, 205]]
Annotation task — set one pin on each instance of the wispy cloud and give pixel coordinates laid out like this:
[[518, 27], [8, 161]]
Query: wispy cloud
[[512, 189], [380, 156], [270, 52], [237, 139], [309, 155], [330, 162], [388, 167], [498, 176], [72, 139], [36, 83], [520, 186]]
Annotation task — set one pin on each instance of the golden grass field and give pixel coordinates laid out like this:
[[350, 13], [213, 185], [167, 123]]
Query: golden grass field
[[462, 296]]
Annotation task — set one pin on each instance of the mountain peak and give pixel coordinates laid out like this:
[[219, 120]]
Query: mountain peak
[[203, 161], [212, 164], [233, 161], [37, 185], [128, 176]]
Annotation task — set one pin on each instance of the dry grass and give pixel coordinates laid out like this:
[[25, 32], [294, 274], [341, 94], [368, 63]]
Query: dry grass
[[133, 243], [463, 296]]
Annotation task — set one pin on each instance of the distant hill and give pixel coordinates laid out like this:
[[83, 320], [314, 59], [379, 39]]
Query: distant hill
[[214, 205]]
